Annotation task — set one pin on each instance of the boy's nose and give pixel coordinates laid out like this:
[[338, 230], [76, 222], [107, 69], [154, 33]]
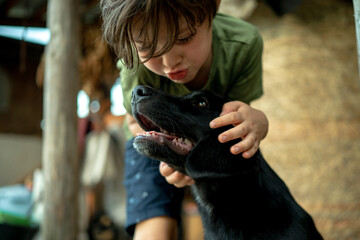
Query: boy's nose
[[171, 58]]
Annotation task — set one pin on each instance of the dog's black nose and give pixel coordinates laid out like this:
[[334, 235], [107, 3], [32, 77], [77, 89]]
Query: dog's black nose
[[140, 92]]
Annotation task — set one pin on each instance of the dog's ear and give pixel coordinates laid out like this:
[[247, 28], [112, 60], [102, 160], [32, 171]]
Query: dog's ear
[[212, 159]]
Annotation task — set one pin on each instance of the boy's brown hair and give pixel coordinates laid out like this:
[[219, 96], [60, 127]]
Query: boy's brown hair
[[119, 15]]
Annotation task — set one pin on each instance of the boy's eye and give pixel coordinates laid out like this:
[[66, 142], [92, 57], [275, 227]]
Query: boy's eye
[[184, 40], [143, 49]]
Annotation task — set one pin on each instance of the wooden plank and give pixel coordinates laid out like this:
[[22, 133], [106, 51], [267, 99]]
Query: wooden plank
[[60, 149]]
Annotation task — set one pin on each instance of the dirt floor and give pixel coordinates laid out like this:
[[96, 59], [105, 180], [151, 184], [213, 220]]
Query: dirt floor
[[312, 96]]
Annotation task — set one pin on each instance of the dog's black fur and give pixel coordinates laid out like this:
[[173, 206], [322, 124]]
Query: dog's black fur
[[237, 198]]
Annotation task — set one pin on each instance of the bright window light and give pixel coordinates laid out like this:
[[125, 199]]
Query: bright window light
[[29, 34], [83, 102], [117, 99]]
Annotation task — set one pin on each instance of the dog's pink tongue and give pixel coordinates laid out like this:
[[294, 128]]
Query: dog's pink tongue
[[179, 145]]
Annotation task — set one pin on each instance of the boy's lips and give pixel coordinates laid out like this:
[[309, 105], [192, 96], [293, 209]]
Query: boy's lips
[[177, 75]]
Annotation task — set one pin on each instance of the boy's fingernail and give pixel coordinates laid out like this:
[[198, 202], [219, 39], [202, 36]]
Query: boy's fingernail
[[236, 150], [212, 124], [190, 181], [223, 138]]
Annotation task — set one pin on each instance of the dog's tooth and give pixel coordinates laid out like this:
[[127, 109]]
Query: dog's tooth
[[187, 141], [164, 131]]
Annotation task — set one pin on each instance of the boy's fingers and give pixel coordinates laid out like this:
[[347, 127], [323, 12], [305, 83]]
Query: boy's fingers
[[239, 131], [245, 145], [175, 178], [232, 106], [179, 180], [227, 119], [250, 152], [165, 170], [225, 111], [186, 181]]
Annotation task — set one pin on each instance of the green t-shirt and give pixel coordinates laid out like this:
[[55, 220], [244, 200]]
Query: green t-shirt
[[236, 68]]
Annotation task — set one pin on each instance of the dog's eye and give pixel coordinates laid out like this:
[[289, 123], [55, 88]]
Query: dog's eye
[[202, 104]]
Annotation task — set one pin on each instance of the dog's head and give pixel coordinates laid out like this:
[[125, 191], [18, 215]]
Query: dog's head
[[178, 133]]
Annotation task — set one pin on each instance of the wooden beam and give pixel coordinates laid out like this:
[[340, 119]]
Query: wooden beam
[[357, 27], [60, 149]]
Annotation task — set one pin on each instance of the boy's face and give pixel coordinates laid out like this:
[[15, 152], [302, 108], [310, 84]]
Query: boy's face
[[188, 61]]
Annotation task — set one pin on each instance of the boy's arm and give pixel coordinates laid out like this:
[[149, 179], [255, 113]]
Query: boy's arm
[[157, 228]]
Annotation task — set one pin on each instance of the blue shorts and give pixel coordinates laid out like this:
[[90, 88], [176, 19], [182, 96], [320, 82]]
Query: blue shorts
[[148, 193]]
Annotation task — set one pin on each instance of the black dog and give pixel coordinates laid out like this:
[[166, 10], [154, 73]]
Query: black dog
[[238, 198]]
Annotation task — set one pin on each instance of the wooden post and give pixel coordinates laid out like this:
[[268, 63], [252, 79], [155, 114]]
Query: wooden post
[[357, 27], [60, 152]]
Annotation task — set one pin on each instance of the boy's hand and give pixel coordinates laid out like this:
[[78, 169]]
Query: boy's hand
[[250, 125], [174, 177]]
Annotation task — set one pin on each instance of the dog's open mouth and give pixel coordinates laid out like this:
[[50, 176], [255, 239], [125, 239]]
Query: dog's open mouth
[[180, 145]]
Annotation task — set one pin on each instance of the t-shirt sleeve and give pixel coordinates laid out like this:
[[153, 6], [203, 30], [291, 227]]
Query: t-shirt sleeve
[[248, 82], [128, 81], [130, 78]]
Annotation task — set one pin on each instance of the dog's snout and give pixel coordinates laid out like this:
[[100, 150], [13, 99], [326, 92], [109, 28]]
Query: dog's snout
[[140, 92]]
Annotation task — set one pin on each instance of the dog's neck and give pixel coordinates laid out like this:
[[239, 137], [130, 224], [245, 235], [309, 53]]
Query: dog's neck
[[249, 192], [201, 165]]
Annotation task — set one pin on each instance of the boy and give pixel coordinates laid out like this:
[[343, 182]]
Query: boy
[[180, 46]]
